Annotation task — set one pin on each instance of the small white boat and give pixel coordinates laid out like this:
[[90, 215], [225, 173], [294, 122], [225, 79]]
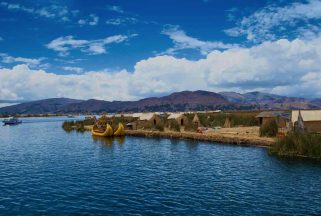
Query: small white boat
[[12, 121]]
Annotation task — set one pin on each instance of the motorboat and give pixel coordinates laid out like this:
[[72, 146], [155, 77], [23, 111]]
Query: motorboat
[[12, 121]]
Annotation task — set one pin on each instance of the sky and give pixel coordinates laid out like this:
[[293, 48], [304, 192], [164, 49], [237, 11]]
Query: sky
[[128, 50]]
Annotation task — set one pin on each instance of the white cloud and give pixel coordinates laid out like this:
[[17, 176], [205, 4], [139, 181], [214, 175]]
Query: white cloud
[[63, 45], [5, 58], [115, 8], [121, 21], [69, 61], [57, 12], [182, 41], [22, 82], [92, 20], [271, 22], [73, 69], [283, 67]]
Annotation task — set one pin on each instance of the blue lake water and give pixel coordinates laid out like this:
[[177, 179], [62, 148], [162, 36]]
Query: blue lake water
[[46, 171]]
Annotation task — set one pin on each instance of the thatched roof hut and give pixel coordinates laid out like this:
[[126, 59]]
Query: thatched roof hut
[[196, 121], [311, 120], [179, 117], [150, 117], [280, 117], [228, 122]]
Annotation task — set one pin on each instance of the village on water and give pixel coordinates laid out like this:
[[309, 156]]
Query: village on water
[[205, 122], [258, 128]]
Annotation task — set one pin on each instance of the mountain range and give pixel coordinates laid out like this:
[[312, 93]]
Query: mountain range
[[178, 101]]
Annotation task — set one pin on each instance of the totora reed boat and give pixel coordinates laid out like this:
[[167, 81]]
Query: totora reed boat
[[120, 131], [103, 132], [102, 128]]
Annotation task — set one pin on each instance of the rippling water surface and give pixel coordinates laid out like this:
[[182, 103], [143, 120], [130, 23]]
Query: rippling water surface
[[44, 170]]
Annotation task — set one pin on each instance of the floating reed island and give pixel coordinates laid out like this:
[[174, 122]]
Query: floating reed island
[[236, 128], [284, 133]]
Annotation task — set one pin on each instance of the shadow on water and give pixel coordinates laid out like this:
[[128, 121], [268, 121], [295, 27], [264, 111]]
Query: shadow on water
[[294, 161], [108, 141]]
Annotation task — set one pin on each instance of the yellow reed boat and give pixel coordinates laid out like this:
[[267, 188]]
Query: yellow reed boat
[[120, 130], [103, 132]]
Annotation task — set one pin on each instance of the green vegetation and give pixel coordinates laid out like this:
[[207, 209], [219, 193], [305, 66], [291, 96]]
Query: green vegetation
[[173, 125], [160, 127], [148, 126], [90, 121], [73, 125], [269, 128], [189, 126], [298, 145]]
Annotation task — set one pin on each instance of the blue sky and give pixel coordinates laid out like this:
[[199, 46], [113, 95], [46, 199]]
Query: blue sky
[[27, 33], [150, 48]]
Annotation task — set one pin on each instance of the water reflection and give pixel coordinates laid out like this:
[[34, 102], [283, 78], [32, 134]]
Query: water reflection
[[108, 141], [120, 140]]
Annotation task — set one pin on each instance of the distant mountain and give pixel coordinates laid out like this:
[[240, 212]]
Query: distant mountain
[[179, 101], [38, 107], [271, 101]]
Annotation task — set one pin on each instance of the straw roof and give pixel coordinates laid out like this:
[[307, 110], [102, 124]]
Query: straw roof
[[146, 116], [175, 115], [196, 119], [137, 115], [307, 115]]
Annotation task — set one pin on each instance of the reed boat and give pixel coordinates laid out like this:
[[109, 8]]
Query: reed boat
[[120, 131], [103, 132]]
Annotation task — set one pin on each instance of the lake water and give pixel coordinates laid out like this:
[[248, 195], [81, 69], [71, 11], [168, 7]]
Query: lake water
[[44, 170]]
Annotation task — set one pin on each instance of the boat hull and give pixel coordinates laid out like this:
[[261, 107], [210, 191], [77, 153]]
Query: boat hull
[[120, 130], [11, 122], [108, 132]]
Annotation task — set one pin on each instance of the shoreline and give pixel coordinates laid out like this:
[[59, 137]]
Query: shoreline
[[233, 139], [217, 138]]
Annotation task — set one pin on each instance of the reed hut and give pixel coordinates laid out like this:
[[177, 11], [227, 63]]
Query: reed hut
[[179, 117], [228, 122], [311, 120], [149, 118], [196, 121], [279, 116], [131, 126]]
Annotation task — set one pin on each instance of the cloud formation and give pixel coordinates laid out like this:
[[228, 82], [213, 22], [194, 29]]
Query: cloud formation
[[63, 45], [92, 20], [121, 21], [73, 69], [284, 67], [115, 8], [5, 58], [56, 12], [271, 22], [182, 42]]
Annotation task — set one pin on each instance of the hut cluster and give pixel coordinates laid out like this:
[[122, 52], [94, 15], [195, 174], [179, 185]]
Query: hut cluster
[[295, 120], [175, 121]]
